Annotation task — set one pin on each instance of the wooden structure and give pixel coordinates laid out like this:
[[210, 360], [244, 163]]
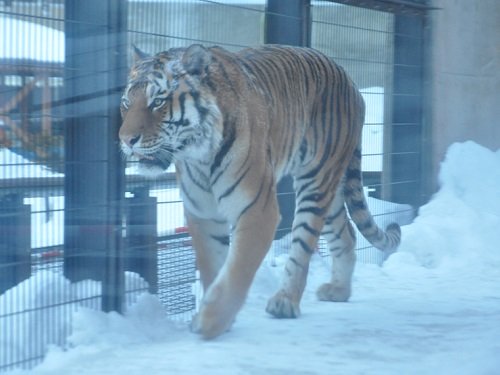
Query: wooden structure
[[30, 81]]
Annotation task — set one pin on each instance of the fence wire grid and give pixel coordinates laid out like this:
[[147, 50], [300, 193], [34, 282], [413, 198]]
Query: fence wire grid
[[54, 254]]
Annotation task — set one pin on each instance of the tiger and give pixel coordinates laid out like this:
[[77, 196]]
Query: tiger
[[233, 124]]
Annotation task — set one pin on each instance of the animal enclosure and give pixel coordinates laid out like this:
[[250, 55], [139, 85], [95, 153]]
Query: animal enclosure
[[80, 228]]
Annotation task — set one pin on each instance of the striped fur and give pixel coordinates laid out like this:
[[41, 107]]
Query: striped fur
[[234, 124]]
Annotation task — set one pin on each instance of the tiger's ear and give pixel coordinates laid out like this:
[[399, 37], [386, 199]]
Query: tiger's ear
[[137, 54], [195, 59]]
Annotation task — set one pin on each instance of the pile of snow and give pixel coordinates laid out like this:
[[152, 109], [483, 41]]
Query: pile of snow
[[39, 312], [461, 223], [433, 307]]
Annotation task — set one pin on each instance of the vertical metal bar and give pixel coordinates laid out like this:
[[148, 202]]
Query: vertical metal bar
[[428, 182], [95, 70], [406, 150], [287, 22], [15, 241], [142, 237], [114, 285]]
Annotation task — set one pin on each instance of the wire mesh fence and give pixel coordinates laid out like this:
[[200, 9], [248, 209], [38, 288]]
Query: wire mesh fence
[[45, 273]]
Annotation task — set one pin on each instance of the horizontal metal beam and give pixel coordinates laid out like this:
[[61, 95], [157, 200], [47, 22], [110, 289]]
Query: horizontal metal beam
[[54, 186], [391, 6]]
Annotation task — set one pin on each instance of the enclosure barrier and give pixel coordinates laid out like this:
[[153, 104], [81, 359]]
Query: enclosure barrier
[[61, 112]]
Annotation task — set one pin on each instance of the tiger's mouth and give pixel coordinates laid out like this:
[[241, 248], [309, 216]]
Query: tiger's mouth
[[149, 162]]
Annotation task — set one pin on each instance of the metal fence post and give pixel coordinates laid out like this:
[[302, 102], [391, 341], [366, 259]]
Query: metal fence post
[[142, 237], [406, 132], [15, 241], [287, 22], [95, 72]]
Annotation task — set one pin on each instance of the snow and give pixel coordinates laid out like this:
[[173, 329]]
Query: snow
[[433, 307], [30, 41], [15, 166], [45, 299]]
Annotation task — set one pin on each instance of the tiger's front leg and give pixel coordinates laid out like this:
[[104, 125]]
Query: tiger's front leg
[[253, 232], [211, 244]]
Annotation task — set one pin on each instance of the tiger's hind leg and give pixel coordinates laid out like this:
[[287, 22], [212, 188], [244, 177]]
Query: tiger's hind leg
[[341, 240], [307, 226]]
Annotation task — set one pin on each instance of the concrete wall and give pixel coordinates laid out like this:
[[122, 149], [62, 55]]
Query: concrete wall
[[465, 60]]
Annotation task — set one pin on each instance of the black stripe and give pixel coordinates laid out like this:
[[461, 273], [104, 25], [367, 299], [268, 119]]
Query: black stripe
[[201, 110], [229, 136], [188, 197], [195, 180], [326, 233], [357, 205], [326, 155], [308, 228], [313, 197], [296, 262], [229, 190], [367, 224], [182, 100], [252, 202], [331, 218], [259, 75], [303, 150], [223, 240], [318, 211], [353, 174], [304, 246]]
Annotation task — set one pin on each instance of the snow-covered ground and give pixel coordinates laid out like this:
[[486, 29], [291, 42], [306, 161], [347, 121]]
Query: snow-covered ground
[[432, 308]]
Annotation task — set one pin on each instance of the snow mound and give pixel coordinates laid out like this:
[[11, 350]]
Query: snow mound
[[432, 308], [458, 228]]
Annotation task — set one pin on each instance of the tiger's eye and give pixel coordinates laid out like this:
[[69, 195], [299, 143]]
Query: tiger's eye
[[158, 102]]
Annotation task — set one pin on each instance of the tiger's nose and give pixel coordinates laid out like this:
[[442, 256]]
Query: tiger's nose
[[130, 140]]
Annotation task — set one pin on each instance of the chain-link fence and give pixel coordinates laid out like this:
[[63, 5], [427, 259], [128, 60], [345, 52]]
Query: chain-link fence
[[78, 228]]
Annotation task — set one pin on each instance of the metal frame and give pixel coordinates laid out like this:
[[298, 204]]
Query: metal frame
[[94, 188], [407, 110], [288, 22], [94, 184], [414, 7]]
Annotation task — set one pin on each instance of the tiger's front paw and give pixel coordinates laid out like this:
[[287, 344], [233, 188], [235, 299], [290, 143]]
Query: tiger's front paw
[[281, 306], [333, 293], [208, 326], [216, 315]]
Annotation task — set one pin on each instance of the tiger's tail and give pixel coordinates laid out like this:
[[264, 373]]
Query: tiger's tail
[[355, 200]]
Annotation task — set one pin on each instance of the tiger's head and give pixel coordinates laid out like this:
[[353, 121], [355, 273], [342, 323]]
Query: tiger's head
[[168, 114]]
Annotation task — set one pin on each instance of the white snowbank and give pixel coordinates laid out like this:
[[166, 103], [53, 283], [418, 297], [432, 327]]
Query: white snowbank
[[460, 226], [30, 41], [39, 312], [433, 307]]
